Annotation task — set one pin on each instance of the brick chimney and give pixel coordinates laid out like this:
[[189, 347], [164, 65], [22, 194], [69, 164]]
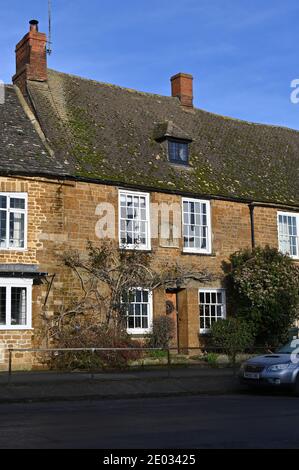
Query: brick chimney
[[31, 58], [182, 88]]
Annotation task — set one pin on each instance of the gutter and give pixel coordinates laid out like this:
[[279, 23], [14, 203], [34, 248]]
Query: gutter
[[67, 177]]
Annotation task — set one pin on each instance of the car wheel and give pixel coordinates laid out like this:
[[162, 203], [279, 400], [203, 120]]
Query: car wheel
[[296, 387]]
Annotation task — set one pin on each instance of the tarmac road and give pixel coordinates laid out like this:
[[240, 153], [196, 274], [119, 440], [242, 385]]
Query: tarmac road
[[197, 422]]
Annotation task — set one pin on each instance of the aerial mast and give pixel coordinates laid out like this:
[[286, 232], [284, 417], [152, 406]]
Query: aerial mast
[[49, 43]]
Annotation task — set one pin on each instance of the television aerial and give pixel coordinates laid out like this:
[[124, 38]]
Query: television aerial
[[49, 42]]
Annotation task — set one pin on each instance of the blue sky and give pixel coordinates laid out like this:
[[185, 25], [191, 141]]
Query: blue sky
[[243, 55]]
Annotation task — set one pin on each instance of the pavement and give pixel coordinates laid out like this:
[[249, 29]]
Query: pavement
[[53, 386]]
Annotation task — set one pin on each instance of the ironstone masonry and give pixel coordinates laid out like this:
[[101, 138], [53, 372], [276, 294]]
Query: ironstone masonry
[[71, 144]]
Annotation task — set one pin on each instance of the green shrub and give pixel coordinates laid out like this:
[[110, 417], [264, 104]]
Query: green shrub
[[263, 287], [162, 332], [233, 336], [158, 354], [211, 359]]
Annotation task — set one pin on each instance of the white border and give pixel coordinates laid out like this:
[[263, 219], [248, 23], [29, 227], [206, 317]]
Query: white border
[[208, 250], [146, 247], [17, 282], [22, 211], [288, 214], [204, 331]]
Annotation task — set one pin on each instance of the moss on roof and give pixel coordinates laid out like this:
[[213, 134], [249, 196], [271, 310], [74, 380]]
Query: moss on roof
[[105, 132]]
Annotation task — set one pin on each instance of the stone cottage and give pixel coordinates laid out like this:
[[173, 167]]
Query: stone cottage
[[71, 145]]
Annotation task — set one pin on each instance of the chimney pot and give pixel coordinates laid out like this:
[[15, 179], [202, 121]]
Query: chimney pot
[[182, 88], [33, 25]]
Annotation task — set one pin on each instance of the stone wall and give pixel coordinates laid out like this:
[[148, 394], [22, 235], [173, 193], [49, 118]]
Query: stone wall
[[62, 216]]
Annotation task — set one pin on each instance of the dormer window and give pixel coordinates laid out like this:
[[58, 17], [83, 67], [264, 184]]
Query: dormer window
[[175, 141], [178, 151]]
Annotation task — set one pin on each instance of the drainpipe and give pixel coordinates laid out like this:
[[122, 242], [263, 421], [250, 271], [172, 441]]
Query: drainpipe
[[251, 208], [177, 323]]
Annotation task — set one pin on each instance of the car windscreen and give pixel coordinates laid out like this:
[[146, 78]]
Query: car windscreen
[[289, 348]]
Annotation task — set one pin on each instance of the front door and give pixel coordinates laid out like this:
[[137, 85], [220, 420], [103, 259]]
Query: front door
[[172, 312]]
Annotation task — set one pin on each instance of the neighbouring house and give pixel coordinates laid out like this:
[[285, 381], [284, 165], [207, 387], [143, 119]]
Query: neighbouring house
[[71, 145]]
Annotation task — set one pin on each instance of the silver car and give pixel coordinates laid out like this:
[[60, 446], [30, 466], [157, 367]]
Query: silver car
[[274, 370]]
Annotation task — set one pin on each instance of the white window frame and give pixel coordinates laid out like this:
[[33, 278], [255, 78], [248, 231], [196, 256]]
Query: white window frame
[[208, 250], [293, 215], [9, 283], [143, 331], [141, 247], [22, 211], [204, 331]]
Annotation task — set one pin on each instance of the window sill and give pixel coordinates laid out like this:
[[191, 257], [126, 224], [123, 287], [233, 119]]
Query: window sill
[[134, 248], [16, 328], [139, 332], [18, 250], [198, 253], [294, 258]]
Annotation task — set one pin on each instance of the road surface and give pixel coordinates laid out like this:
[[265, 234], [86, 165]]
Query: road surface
[[202, 422]]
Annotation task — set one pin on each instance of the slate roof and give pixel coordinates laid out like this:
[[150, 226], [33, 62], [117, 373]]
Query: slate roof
[[21, 149], [108, 133]]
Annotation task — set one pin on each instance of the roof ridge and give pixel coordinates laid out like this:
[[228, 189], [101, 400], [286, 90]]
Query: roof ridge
[[250, 123], [200, 110], [111, 85]]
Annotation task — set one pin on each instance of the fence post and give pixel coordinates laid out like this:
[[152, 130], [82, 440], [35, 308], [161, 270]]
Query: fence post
[[9, 364], [92, 372], [168, 361]]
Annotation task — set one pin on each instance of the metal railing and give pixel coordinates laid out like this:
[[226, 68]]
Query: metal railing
[[183, 350], [11, 351]]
